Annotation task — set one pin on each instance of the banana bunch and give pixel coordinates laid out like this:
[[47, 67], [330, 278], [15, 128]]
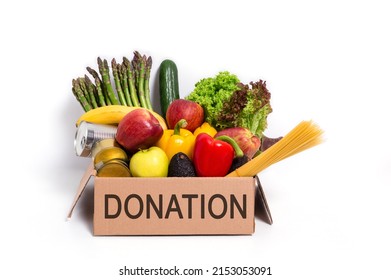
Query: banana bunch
[[113, 114]]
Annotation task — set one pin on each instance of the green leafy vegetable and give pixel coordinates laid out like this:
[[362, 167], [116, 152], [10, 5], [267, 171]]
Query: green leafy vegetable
[[229, 103], [211, 93]]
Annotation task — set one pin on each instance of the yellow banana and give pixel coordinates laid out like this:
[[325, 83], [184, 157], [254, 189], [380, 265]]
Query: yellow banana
[[113, 114]]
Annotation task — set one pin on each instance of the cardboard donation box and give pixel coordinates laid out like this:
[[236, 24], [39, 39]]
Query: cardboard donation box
[[174, 206]]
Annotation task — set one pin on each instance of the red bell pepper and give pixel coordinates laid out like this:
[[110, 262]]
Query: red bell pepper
[[213, 157]]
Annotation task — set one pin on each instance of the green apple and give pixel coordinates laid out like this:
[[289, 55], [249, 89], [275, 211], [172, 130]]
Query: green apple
[[152, 162]]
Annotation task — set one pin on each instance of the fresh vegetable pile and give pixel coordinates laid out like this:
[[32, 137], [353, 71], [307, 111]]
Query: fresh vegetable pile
[[217, 128]]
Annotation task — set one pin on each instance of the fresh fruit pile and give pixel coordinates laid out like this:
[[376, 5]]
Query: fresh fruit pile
[[181, 142]]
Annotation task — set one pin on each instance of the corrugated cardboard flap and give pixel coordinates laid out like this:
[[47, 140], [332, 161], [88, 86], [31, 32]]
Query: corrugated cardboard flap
[[83, 183], [261, 202]]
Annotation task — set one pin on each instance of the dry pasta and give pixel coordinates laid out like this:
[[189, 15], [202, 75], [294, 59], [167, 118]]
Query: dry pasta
[[305, 135]]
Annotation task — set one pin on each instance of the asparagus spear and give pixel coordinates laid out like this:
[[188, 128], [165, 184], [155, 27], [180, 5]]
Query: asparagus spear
[[94, 74], [146, 82], [139, 66], [123, 76], [99, 91], [78, 99], [83, 87], [108, 102], [104, 71], [117, 82], [91, 91], [80, 95], [131, 82], [99, 82]]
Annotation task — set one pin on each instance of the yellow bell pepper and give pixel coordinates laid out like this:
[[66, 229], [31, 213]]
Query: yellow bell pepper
[[205, 128], [177, 140]]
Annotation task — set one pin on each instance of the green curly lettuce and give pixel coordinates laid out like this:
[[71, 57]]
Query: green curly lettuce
[[211, 93], [229, 103]]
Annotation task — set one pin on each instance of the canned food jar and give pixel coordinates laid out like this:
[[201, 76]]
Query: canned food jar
[[114, 168], [110, 160], [107, 154], [103, 144]]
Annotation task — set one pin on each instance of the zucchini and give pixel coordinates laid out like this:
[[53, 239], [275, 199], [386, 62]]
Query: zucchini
[[168, 84]]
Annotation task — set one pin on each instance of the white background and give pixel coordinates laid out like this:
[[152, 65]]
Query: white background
[[327, 61]]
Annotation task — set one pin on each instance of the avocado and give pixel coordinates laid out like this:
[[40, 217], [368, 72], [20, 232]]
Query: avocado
[[238, 162], [181, 166]]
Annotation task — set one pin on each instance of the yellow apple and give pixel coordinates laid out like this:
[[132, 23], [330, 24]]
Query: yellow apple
[[152, 162]]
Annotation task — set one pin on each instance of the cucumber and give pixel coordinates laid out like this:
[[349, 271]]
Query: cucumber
[[168, 84]]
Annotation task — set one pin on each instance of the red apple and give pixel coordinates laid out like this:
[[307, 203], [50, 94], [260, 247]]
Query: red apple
[[191, 111], [139, 129], [248, 142]]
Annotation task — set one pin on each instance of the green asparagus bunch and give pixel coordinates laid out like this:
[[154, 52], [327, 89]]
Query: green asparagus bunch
[[131, 84]]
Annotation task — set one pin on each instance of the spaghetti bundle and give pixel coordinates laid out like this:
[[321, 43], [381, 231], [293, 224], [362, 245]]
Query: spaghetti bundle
[[304, 136]]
